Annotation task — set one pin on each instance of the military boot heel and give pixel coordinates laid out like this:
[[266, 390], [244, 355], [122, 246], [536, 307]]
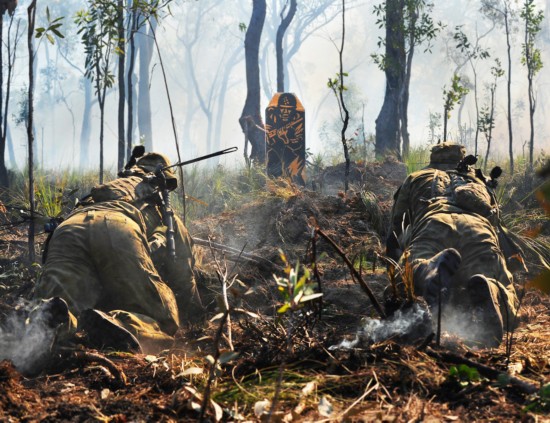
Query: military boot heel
[[487, 324], [103, 332], [435, 275]]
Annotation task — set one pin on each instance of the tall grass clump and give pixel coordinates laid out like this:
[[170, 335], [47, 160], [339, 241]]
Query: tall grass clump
[[418, 158]]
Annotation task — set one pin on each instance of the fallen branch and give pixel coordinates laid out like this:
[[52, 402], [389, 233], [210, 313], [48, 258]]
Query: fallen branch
[[356, 274], [235, 254], [88, 357], [489, 372]]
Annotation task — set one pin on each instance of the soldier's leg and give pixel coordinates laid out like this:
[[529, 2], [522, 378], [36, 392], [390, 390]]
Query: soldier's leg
[[482, 255], [69, 272], [432, 257], [129, 279], [179, 274]]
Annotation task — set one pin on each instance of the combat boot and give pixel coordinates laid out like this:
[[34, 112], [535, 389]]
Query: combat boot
[[487, 327], [104, 332], [434, 276]]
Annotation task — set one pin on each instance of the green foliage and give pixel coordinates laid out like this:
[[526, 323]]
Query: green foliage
[[531, 55], [485, 120], [540, 402], [52, 28], [417, 26], [464, 45], [464, 375], [99, 35], [296, 287], [454, 95]]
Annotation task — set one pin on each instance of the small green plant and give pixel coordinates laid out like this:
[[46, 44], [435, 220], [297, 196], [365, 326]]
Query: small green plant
[[464, 375], [296, 287], [540, 402]]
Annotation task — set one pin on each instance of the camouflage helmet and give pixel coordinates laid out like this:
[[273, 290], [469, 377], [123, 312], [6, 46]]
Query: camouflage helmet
[[446, 155], [149, 162]]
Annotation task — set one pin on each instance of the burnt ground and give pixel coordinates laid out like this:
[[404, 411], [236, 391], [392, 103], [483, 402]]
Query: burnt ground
[[288, 355]]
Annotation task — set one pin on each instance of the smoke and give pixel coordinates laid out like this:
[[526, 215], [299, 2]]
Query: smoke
[[26, 342], [405, 325]]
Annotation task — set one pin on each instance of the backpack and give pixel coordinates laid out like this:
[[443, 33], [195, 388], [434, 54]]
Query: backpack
[[463, 191], [130, 189]]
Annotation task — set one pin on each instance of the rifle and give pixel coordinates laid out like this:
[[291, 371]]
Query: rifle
[[167, 212], [198, 159]]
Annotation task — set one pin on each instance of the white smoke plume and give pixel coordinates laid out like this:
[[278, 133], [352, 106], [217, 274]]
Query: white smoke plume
[[25, 342], [407, 324]]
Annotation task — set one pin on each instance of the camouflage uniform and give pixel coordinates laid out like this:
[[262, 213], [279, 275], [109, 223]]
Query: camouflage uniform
[[429, 216], [101, 257]]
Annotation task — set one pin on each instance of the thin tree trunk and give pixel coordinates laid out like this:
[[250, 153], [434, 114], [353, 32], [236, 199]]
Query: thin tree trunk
[[85, 131], [4, 182], [490, 131], [130, 81], [509, 91], [144, 99], [31, 13], [341, 92], [252, 103], [121, 84], [285, 22]]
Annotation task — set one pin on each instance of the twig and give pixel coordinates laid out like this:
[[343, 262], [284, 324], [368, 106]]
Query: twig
[[354, 272], [490, 372], [316, 270], [368, 390], [235, 254], [211, 373], [89, 357]]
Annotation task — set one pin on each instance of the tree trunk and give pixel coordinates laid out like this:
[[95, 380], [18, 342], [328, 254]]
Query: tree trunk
[[509, 90], [251, 109], [145, 42], [31, 13], [285, 22], [4, 182], [387, 122], [490, 130], [121, 84], [130, 80], [85, 130]]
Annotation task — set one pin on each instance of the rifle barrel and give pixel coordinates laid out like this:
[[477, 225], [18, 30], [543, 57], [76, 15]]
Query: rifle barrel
[[198, 159]]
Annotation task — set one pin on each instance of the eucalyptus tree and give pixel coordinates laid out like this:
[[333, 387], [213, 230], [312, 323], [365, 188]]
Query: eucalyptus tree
[[471, 53], [99, 35], [408, 25], [502, 12], [451, 97], [310, 17], [486, 119], [532, 60], [9, 44], [286, 19], [251, 118]]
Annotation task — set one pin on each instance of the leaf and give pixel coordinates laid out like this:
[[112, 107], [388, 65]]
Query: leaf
[[248, 313], [192, 371], [283, 309], [210, 359], [218, 411], [217, 317], [310, 297]]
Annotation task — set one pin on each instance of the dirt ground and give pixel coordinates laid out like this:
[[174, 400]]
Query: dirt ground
[[288, 357]]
